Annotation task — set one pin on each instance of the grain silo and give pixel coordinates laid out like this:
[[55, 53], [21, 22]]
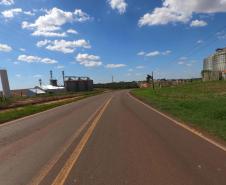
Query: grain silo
[[74, 83]]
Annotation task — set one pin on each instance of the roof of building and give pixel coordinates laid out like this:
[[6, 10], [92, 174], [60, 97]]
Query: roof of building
[[37, 90], [51, 87]]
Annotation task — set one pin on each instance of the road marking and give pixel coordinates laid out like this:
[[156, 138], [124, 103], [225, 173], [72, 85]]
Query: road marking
[[47, 168], [182, 125], [70, 163]]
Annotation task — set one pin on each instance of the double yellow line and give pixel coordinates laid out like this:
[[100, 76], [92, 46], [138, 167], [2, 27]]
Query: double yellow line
[[71, 162]]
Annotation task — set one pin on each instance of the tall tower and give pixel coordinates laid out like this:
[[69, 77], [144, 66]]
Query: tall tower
[[51, 75], [5, 83], [63, 75]]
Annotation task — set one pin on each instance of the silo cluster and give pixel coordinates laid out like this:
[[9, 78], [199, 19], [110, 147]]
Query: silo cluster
[[214, 67]]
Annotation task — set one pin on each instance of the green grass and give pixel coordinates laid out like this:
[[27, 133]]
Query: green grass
[[203, 105], [16, 113]]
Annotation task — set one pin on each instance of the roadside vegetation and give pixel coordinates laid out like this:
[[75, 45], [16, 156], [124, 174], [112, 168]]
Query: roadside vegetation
[[201, 104], [29, 109]]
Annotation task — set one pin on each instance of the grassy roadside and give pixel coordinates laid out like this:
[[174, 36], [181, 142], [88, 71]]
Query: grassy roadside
[[202, 105], [20, 112]]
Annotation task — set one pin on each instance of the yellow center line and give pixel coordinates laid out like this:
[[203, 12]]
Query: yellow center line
[[49, 165], [70, 163]]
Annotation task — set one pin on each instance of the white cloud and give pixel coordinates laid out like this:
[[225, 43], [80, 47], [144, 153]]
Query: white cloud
[[29, 13], [186, 62], [198, 23], [154, 53], [63, 45], [173, 11], [167, 52], [119, 5], [141, 53], [22, 49], [49, 34], [35, 59], [80, 16], [12, 12], [5, 48], [88, 60], [60, 67], [183, 58], [140, 67], [130, 70], [221, 35], [111, 66], [6, 2], [49, 25], [199, 41], [72, 31], [37, 76], [181, 62], [18, 75]]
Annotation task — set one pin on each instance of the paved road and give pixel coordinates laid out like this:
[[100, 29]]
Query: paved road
[[109, 139]]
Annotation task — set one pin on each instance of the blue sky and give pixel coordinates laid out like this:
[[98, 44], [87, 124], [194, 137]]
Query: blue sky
[[101, 38]]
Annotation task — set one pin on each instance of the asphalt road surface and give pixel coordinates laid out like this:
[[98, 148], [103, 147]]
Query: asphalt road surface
[[109, 139]]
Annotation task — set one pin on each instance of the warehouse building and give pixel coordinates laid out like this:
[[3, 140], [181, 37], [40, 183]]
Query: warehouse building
[[214, 67]]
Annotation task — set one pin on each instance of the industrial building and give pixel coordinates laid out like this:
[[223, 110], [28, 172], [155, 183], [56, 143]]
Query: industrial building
[[70, 84], [214, 67], [75, 83]]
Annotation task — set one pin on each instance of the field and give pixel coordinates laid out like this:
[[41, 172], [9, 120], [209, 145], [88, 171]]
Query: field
[[9, 114], [200, 104]]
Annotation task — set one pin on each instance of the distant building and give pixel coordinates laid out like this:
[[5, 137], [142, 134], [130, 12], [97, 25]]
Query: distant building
[[52, 89], [214, 67], [74, 83], [28, 92]]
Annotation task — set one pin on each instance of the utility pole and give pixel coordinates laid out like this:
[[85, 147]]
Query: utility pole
[[112, 80], [153, 83]]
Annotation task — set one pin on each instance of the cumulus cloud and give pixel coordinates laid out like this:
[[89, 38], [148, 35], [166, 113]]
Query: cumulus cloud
[[63, 45], [35, 59], [6, 2], [198, 23], [12, 12], [80, 16], [154, 53], [111, 66], [5, 48], [88, 60], [50, 24], [173, 11], [72, 31], [119, 5]]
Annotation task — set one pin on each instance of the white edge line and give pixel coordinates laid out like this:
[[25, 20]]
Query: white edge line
[[182, 125]]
